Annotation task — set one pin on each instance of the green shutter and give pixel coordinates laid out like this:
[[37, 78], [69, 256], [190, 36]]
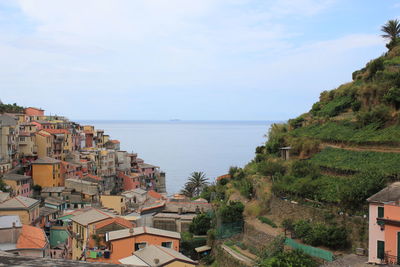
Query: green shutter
[[381, 250], [381, 212], [398, 247]]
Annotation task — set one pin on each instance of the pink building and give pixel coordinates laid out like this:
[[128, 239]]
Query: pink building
[[384, 226], [20, 184], [129, 182]]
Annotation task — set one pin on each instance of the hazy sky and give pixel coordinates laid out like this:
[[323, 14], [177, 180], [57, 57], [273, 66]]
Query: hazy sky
[[186, 59]]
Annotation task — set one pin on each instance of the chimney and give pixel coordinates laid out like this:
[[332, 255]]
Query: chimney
[[180, 210], [131, 231], [156, 261]]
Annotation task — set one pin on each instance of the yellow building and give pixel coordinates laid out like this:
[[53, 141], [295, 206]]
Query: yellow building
[[83, 229], [26, 144], [46, 172], [44, 144], [117, 203], [62, 142], [26, 208]]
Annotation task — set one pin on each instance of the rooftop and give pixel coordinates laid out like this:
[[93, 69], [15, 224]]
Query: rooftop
[[15, 177], [46, 160], [390, 193], [124, 233], [18, 202], [117, 220], [156, 256], [57, 131], [31, 237], [56, 189], [154, 194], [147, 166], [91, 216], [54, 201]]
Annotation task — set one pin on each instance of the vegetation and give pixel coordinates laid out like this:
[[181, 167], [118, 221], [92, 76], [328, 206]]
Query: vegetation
[[391, 31], [358, 161], [200, 224], [11, 108], [267, 221], [231, 212], [195, 184], [318, 234]]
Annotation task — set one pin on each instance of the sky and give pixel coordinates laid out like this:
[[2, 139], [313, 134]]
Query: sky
[[184, 59]]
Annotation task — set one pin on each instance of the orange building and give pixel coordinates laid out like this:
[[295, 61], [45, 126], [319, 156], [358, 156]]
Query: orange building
[[123, 243], [31, 111], [384, 226], [46, 172]]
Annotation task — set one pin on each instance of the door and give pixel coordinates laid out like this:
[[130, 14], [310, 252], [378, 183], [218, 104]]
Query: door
[[398, 247], [381, 250]]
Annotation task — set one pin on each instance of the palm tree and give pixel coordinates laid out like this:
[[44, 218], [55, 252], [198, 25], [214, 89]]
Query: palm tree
[[197, 181], [188, 190], [391, 31]]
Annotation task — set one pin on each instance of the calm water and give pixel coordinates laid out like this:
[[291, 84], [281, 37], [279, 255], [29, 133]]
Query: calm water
[[181, 147]]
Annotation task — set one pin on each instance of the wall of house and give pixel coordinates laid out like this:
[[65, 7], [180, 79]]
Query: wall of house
[[47, 175], [116, 203], [26, 216], [123, 248], [10, 235], [375, 233]]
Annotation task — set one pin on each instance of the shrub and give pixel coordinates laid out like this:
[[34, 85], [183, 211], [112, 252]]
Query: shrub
[[378, 115], [356, 105], [291, 258], [200, 224], [374, 66], [267, 221], [393, 96], [232, 212]]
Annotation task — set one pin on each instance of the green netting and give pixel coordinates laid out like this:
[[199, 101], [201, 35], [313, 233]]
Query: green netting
[[312, 251], [227, 230]]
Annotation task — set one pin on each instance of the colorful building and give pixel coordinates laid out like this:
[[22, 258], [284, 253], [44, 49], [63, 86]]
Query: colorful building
[[20, 184], [116, 203], [62, 142], [8, 139], [384, 226], [46, 172], [33, 242], [44, 144], [83, 229], [26, 208], [123, 243]]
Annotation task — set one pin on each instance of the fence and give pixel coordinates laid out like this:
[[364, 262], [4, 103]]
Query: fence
[[312, 251], [227, 230]]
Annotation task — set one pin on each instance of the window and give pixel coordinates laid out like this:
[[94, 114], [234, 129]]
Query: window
[[166, 244], [140, 245], [381, 212]]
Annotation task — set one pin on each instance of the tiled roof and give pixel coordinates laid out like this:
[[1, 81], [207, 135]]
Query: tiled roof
[[92, 216], [124, 233], [156, 256], [174, 206], [18, 202], [46, 160], [94, 177], [117, 220], [390, 193], [8, 220], [147, 166], [15, 177], [57, 131], [54, 201], [45, 211], [32, 237], [115, 141], [154, 194]]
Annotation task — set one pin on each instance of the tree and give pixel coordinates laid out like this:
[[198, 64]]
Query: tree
[[188, 190], [200, 224], [197, 181], [391, 31]]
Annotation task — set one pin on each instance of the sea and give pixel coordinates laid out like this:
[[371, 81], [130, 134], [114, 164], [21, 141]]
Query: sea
[[182, 147]]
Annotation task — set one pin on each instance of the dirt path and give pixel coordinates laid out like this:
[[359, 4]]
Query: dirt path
[[264, 227], [238, 256], [384, 149]]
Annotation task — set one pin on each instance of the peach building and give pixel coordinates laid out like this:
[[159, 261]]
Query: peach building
[[384, 225]]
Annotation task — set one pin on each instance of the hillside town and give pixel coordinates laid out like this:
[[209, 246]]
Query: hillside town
[[68, 191]]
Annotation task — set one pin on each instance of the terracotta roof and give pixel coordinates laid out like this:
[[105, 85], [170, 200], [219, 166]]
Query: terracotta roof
[[32, 237], [57, 131], [97, 178], [154, 194], [46, 160], [35, 108], [43, 134], [117, 220], [115, 141]]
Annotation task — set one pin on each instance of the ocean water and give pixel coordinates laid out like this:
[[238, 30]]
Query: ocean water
[[182, 147]]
